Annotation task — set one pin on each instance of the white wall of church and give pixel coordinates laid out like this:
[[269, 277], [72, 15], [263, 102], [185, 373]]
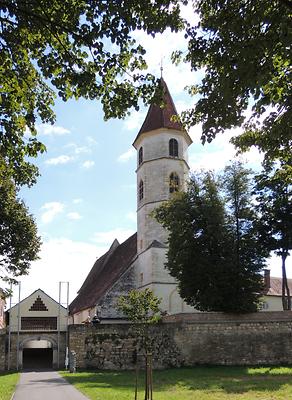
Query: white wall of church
[[158, 142], [155, 172]]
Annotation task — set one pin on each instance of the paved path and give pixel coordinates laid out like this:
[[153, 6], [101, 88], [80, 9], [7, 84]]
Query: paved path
[[48, 385]]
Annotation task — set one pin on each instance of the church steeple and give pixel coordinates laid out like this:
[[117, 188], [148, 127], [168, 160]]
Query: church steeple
[[162, 166], [161, 116]]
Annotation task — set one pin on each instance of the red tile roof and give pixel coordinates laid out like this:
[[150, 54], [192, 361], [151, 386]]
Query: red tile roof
[[276, 286], [161, 117], [104, 273]]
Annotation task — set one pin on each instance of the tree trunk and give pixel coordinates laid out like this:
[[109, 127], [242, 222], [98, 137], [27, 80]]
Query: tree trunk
[[286, 299]]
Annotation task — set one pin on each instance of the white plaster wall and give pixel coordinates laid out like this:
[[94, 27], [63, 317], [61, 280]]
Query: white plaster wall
[[24, 306], [273, 303], [82, 316], [158, 143]]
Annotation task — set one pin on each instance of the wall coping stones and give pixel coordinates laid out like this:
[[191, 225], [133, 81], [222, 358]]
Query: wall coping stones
[[214, 317]]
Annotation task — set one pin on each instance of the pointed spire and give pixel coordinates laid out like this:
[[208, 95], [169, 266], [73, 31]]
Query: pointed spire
[[161, 117]]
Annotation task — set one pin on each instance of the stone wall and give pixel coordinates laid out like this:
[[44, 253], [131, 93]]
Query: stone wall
[[190, 339], [2, 349]]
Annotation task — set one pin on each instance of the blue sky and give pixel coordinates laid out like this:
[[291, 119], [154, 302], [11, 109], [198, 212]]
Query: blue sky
[[86, 194]]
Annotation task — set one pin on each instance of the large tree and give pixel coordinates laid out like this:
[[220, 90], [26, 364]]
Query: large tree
[[70, 48], [244, 49], [274, 202], [213, 250], [19, 242]]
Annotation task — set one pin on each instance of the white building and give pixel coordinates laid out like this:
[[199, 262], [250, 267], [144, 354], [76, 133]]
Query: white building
[[37, 330]]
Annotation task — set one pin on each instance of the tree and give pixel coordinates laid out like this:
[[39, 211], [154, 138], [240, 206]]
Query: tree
[[19, 243], [72, 49], [244, 49], [142, 309], [274, 198], [212, 249]]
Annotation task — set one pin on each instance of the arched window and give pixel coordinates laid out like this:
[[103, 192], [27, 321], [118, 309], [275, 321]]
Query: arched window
[[140, 156], [141, 190], [173, 182], [173, 148]]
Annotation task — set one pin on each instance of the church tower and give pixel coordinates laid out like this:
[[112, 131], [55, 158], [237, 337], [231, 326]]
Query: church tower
[[162, 169]]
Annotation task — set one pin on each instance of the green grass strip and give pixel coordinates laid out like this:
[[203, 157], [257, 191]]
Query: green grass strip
[[8, 381], [199, 383]]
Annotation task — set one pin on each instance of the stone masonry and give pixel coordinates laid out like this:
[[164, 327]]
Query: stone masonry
[[190, 339], [2, 349]]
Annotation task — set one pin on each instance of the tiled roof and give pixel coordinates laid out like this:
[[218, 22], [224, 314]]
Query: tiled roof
[[161, 117], [104, 273], [276, 286]]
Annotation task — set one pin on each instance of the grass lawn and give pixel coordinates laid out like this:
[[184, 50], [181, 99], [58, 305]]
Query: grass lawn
[[199, 383], [8, 381]]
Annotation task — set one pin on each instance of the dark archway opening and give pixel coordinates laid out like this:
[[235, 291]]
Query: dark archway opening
[[37, 355]]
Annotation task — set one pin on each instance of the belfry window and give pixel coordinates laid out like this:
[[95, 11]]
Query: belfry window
[[141, 190], [173, 148], [173, 182], [140, 156]]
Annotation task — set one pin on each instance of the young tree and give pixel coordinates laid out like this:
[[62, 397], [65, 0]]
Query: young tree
[[142, 309], [244, 48], [211, 250], [19, 243], [274, 196], [72, 49]]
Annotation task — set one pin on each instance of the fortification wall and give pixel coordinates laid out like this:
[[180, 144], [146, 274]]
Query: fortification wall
[[2, 349], [190, 339]]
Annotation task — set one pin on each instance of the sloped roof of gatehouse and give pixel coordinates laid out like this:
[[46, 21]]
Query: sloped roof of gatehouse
[[35, 296], [105, 273]]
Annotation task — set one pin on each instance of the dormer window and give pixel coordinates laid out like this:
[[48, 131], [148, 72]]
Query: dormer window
[[140, 156], [173, 182], [173, 148], [141, 190]]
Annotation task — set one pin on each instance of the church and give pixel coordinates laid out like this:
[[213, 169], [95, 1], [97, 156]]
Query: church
[[138, 263]]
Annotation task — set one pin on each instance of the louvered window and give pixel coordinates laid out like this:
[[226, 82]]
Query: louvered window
[[173, 148]]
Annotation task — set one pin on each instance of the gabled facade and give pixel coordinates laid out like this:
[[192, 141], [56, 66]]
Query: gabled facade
[[37, 312]]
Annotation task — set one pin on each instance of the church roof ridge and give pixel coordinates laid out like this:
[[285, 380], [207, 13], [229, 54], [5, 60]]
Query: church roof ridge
[[104, 273], [161, 117]]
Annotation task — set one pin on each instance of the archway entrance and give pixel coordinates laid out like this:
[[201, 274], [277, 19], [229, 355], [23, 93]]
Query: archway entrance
[[37, 354]]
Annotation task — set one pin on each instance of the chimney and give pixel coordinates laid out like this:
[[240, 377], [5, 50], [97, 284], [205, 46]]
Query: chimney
[[267, 279]]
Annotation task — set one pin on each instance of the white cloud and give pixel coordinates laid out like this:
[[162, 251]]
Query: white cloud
[[127, 155], [88, 164], [51, 210], [132, 216], [46, 129], [108, 237], [63, 159], [91, 141], [217, 154], [78, 149], [74, 215], [77, 201], [61, 260], [134, 121]]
